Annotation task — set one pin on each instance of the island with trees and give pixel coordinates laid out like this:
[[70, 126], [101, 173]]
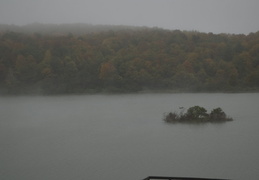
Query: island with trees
[[197, 114]]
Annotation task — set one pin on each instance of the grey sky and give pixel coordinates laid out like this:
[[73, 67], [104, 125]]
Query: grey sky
[[217, 16]]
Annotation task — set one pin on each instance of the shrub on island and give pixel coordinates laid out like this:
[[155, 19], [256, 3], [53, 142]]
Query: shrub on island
[[197, 114]]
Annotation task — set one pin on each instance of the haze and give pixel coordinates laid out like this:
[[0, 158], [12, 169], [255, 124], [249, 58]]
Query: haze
[[217, 16]]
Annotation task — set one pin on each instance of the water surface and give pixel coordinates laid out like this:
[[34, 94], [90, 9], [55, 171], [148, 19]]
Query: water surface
[[118, 137]]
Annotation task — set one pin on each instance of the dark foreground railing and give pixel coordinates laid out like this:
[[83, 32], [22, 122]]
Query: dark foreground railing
[[177, 178]]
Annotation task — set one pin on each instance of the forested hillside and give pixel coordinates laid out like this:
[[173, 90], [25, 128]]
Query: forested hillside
[[128, 60]]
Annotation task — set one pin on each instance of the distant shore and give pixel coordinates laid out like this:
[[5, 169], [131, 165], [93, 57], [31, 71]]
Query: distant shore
[[127, 59]]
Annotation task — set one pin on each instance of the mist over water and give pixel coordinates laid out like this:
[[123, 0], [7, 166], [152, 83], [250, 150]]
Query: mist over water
[[124, 137]]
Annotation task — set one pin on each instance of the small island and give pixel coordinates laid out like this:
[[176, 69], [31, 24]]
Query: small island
[[197, 114]]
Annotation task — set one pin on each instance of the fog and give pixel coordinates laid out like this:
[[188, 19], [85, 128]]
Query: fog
[[225, 16]]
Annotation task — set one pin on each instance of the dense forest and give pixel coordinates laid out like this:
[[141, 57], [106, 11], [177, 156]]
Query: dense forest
[[127, 60]]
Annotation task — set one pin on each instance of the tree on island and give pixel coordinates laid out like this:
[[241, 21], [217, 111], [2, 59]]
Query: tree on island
[[198, 114]]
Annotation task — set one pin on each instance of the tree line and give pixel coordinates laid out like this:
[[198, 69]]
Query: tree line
[[128, 60]]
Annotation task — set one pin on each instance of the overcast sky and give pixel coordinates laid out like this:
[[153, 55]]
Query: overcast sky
[[217, 16]]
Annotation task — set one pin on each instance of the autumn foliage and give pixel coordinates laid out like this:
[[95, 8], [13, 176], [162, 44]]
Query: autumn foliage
[[128, 60]]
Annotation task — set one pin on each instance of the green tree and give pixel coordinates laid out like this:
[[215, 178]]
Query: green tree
[[217, 114], [109, 75], [26, 69], [197, 112], [3, 72]]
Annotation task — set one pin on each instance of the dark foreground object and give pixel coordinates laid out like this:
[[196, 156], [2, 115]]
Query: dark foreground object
[[177, 178], [197, 114]]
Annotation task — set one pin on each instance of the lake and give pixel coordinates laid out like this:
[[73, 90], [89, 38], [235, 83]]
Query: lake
[[117, 137]]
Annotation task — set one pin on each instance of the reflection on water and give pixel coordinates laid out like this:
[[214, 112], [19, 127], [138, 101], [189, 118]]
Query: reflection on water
[[124, 137]]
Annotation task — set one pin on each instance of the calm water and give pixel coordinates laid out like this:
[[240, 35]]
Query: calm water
[[117, 137]]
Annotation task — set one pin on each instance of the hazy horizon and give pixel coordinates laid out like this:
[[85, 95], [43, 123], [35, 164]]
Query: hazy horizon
[[228, 16]]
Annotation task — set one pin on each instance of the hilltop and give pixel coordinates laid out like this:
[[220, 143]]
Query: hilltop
[[54, 59]]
